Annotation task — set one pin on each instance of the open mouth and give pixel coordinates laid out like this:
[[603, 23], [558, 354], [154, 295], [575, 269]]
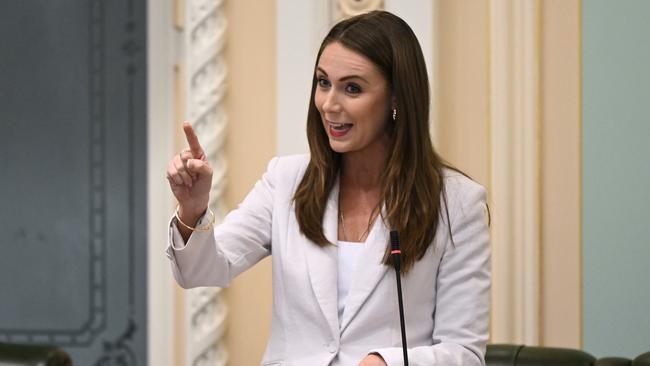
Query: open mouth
[[339, 129]]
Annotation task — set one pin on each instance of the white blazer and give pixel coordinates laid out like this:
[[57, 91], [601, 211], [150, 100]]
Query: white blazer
[[446, 293]]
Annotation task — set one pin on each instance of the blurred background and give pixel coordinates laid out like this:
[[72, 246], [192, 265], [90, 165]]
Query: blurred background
[[545, 102]]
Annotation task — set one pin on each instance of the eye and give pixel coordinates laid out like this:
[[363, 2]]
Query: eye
[[322, 82], [353, 89]]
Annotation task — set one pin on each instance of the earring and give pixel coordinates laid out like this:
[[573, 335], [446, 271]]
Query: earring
[[394, 114]]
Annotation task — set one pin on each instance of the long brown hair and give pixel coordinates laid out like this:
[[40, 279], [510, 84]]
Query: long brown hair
[[412, 181]]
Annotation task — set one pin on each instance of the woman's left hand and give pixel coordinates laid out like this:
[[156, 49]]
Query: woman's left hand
[[373, 360]]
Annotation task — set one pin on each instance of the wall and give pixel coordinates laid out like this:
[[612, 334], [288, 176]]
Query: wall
[[462, 80], [463, 99], [616, 248], [73, 142], [163, 338], [250, 104], [560, 307]]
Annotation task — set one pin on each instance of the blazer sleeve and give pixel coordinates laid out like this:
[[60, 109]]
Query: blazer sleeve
[[461, 315], [214, 258]]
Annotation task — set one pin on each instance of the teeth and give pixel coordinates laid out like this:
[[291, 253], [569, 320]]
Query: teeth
[[340, 126]]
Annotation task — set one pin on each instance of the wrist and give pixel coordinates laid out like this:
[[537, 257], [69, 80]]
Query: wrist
[[190, 215]]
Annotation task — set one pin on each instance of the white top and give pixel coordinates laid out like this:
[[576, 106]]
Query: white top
[[348, 259]]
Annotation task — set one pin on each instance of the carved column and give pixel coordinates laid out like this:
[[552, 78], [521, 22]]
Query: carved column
[[203, 74]]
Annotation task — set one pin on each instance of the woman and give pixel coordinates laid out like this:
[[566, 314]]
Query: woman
[[326, 218]]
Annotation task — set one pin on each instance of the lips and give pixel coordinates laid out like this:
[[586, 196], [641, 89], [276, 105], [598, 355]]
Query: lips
[[337, 129]]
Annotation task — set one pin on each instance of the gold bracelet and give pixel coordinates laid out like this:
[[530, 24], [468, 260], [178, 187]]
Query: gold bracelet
[[207, 227]]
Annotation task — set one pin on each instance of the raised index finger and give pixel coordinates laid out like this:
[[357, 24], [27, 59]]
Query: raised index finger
[[193, 141]]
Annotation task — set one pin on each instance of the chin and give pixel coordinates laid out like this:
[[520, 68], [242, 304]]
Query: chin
[[338, 147]]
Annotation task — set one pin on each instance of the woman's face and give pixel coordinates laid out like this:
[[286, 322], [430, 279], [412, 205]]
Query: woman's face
[[353, 99]]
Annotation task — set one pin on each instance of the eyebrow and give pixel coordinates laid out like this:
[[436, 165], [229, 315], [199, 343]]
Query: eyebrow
[[345, 77]]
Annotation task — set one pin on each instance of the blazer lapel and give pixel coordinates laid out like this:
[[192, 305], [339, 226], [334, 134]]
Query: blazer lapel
[[370, 270], [322, 263]]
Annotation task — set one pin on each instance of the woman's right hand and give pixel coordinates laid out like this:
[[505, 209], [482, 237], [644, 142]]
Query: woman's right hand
[[190, 178]]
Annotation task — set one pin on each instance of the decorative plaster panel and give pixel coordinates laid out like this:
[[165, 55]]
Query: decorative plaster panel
[[348, 8], [204, 87]]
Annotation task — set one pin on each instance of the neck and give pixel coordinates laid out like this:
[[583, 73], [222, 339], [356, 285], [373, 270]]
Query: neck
[[363, 169]]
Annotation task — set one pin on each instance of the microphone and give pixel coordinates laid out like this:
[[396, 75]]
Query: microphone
[[395, 254]]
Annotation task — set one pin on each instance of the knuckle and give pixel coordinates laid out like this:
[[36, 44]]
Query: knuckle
[[171, 165], [179, 166]]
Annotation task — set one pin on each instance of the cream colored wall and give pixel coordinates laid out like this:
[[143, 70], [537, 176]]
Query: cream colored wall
[[561, 275], [250, 103], [462, 81], [463, 125]]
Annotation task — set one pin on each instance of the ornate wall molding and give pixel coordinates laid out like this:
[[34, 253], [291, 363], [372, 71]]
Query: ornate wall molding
[[349, 8], [515, 171], [95, 324], [75, 281], [204, 84]]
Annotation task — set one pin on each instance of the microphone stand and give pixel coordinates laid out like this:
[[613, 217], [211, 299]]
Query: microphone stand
[[395, 253]]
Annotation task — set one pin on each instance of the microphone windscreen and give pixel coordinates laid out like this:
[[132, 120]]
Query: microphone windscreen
[[394, 240]]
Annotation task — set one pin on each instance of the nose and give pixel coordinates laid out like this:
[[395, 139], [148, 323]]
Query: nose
[[331, 103]]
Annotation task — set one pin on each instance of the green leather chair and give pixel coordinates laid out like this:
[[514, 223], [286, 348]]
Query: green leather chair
[[33, 355], [517, 355], [497, 355]]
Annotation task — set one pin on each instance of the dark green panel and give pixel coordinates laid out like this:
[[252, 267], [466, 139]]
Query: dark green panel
[[72, 96]]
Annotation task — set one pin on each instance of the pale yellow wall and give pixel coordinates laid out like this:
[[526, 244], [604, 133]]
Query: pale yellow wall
[[561, 171], [463, 120], [250, 104], [462, 80]]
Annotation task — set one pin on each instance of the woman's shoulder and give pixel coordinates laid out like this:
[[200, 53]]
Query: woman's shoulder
[[459, 185], [293, 160], [288, 167], [289, 163]]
